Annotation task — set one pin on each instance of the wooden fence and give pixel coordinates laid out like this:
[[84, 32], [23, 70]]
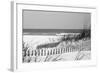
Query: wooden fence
[[52, 51]]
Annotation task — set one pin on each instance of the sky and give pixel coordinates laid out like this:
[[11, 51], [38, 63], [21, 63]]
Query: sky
[[35, 19]]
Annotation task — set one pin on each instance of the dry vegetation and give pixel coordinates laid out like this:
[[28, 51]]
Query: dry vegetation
[[81, 42]]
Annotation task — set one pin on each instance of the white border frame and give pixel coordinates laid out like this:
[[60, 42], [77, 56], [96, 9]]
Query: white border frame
[[16, 60]]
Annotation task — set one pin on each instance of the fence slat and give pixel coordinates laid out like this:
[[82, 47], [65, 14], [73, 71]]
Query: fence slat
[[51, 51]]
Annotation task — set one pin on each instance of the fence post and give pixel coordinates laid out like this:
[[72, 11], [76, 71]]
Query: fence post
[[51, 52], [44, 52], [38, 51], [56, 51], [64, 49], [48, 52]]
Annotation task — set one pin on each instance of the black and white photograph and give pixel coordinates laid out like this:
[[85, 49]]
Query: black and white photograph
[[52, 36]]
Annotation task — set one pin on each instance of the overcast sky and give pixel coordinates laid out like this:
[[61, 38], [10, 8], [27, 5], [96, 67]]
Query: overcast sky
[[55, 20]]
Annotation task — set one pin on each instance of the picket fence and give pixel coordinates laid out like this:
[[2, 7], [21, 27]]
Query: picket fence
[[52, 51]]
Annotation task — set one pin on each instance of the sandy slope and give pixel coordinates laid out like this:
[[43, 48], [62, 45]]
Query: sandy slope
[[33, 41]]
